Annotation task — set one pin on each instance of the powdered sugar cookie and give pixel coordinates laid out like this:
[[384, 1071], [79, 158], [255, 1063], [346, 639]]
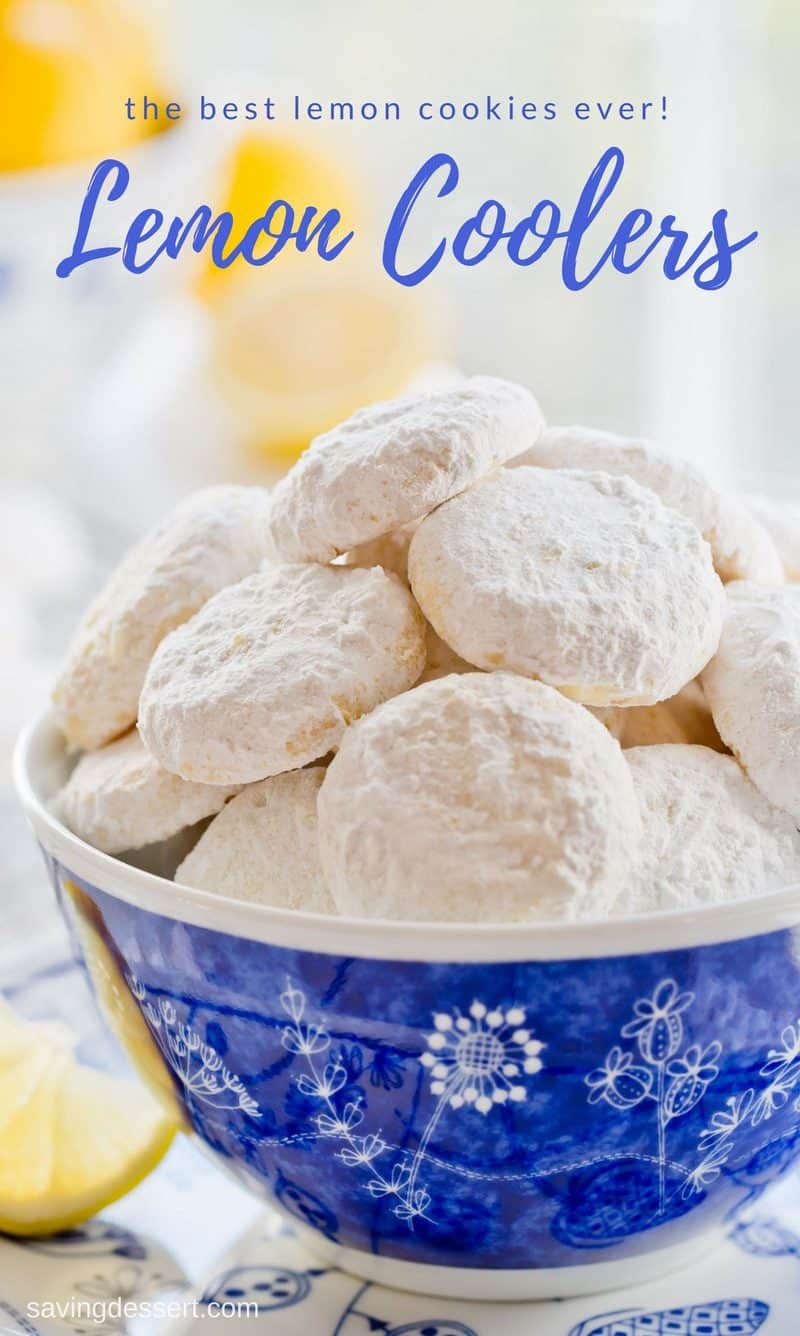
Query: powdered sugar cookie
[[753, 687], [751, 552], [482, 797], [581, 579], [391, 552], [708, 835], [391, 463], [211, 539], [781, 519], [120, 798], [739, 548], [263, 847], [269, 673]]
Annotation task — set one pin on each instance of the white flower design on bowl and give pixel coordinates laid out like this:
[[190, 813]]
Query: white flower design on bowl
[[196, 1063], [477, 1059], [657, 1024]]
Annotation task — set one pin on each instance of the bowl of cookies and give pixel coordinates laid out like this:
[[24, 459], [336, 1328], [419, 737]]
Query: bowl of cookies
[[429, 831]]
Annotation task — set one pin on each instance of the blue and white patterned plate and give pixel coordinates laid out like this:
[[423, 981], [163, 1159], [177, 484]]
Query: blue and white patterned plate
[[198, 1245]]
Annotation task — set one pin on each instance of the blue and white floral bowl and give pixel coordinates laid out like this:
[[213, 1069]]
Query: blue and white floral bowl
[[509, 1112]]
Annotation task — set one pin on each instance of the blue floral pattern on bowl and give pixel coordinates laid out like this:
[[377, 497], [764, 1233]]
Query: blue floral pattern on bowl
[[508, 1115]]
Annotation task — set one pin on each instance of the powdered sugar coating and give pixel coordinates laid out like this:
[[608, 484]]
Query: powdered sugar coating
[[753, 687], [781, 519], [391, 552], [120, 798], [269, 673], [708, 835], [739, 549], [751, 552], [391, 463], [211, 539], [481, 797], [263, 847], [583, 580]]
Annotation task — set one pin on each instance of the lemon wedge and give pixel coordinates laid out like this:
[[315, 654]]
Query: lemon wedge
[[72, 1139], [66, 68], [114, 998], [262, 167], [298, 346], [301, 353]]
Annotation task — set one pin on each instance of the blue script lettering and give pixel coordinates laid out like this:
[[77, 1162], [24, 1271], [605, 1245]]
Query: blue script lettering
[[98, 179], [590, 239], [263, 239], [402, 213], [526, 241]]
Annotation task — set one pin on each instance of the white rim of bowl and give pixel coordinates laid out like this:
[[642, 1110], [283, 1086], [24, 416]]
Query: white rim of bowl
[[385, 939]]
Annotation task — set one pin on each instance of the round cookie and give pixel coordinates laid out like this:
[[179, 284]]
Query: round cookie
[[583, 580], [781, 519], [211, 539], [391, 463], [708, 835], [267, 676], [753, 687], [752, 554], [477, 798], [263, 847], [391, 552], [120, 798], [741, 550]]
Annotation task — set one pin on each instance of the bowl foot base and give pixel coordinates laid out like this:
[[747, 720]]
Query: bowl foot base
[[455, 1282]]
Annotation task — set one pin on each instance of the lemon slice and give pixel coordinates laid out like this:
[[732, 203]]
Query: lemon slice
[[117, 1004], [72, 1139], [299, 345], [263, 166], [301, 353], [66, 68]]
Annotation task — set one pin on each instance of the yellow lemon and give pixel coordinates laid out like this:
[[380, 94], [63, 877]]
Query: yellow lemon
[[300, 344], [263, 167], [66, 68], [116, 1002], [300, 353], [72, 1139]]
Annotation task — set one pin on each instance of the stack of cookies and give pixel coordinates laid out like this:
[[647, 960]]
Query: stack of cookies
[[457, 667]]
